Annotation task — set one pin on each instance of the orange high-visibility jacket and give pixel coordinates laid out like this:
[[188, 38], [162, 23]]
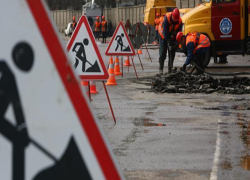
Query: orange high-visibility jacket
[[171, 26], [74, 24], [157, 22], [97, 26], [199, 40], [104, 26]]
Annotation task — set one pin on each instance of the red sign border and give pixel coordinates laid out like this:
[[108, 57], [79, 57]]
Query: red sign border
[[84, 20], [113, 37], [82, 109]]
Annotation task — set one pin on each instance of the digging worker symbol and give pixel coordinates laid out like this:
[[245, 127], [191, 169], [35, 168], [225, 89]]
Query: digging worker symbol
[[120, 43], [23, 58], [81, 55]]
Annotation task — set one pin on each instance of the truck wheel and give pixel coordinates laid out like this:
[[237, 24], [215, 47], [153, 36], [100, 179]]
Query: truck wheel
[[223, 59], [206, 59], [215, 59]]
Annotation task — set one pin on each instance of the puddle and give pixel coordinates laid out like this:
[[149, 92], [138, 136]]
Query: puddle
[[245, 162], [226, 165], [147, 122], [212, 108], [244, 124], [244, 106], [224, 132], [149, 113]]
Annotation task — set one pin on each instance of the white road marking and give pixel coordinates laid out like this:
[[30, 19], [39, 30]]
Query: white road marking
[[214, 173]]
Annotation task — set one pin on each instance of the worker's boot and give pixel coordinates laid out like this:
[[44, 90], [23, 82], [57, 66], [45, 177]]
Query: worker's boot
[[161, 65], [170, 70], [160, 72], [197, 72]]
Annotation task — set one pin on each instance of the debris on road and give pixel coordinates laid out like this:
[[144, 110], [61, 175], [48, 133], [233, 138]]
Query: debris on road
[[184, 83]]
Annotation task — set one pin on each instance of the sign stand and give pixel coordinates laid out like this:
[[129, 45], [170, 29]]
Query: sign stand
[[132, 36], [89, 92], [120, 44], [93, 67], [138, 28], [134, 68], [109, 101]]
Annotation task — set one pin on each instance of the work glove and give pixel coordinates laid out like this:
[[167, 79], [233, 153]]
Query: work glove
[[184, 67]]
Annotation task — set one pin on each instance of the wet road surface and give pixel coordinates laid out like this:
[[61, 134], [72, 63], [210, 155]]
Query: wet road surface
[[175, 136]]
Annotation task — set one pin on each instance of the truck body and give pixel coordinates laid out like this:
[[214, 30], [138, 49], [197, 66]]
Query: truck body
[[157, 6], [225, 22], [91, 11]]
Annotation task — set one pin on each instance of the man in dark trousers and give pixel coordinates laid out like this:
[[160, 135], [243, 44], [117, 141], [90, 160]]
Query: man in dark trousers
[[74, 23], [97, 28], [23, 58], [157, 22], [196, 47], [168, 29], [104, 29]]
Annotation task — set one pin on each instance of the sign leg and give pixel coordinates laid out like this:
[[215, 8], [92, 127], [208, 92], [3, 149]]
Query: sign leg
[[140, 61], [134, 67], [109, 101], [122, 65], [89, 92]]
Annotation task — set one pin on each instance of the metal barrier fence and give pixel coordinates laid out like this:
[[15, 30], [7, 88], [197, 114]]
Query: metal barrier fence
[[114, 15], [136, 13], [63, 17], [133, 13]]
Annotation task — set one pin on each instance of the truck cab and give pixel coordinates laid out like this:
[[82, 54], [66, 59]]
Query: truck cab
[[225, 22]]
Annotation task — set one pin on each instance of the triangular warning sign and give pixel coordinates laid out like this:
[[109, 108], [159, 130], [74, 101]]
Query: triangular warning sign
[[120, 44], [53, 133], [85, 54]]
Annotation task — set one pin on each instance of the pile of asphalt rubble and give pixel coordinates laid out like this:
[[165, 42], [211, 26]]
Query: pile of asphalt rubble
[[184, 83]]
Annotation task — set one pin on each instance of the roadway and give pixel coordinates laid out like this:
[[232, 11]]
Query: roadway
[[204, 137]]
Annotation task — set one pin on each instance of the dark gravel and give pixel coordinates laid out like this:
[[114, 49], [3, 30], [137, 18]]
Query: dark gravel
[[184, 83]]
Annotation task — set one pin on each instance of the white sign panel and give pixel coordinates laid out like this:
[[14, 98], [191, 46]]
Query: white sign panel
[[120, 44], [85, 54], [47, 130]]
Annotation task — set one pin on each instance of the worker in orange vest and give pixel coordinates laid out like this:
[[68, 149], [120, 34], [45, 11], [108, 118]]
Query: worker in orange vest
[[104, 29], [196, 46], [168, 28], [97, 27], [157, 22], [74, 23], [162, 18]]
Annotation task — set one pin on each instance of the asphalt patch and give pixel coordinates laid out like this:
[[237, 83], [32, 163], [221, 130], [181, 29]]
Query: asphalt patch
[[206, 84]]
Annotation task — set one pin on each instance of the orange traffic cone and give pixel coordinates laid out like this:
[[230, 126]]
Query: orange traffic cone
[[117, 67], [86, 86], [127, 62], [93, 88], [111, 80], [139, 51]]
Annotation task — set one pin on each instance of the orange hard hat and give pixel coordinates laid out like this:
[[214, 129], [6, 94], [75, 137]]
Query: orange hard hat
[[103, 17], [179, 36], [97, 17], [74, 17], [176, 14], [158, 14]]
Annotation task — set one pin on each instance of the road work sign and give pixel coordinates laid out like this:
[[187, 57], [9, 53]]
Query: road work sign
[[85, 54], [47, 130], [120, 44]]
